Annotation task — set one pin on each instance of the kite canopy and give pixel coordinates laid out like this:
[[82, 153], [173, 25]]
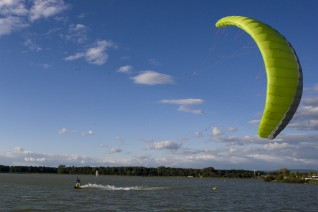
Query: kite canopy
[[283, 70]]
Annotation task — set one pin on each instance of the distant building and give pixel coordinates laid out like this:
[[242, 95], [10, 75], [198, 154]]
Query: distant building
[[312, 178]]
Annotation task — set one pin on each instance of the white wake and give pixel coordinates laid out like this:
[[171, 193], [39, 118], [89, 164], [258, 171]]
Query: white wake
[[115, 188]]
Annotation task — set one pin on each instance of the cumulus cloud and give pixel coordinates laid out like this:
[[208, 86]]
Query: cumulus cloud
[[18, 14], [306, 112], [232, 129], [31, 45], [20, 156], [216, 131], [65, 131], [10, 24], [46, 8], [255, 122], [19, 149], [125, 69], [13, 7], [77, 33], [183, 101], [31, 159], [306, 125], [186, 108], [292, 150], [151, 77], [276, 146], [166, 144], [96, 55], [313, 89], [77, 27], [87, 133], [266, 155], [218, 136], [310, 101], [75, 56], [185, 105], [115, 150]]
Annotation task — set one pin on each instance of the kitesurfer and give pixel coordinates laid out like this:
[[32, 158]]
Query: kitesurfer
[[78, 182]]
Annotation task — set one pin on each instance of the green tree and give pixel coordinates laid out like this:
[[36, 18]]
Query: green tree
[[61, 169]]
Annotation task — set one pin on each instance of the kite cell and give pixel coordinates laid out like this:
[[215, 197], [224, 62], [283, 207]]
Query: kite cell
[[283, 70]]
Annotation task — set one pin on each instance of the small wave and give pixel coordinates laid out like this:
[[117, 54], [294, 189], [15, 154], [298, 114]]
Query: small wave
[[115, 188]]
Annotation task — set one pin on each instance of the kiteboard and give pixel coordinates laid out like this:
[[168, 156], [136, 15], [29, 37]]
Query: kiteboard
[[77, 187]]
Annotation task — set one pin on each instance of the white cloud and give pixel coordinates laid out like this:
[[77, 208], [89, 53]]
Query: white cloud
[[46, 8], [76, 56], [255, 122], [160, 145], [115, 150], [151, 77], [185, 105], [186, 108], [216, 131], [10, 24], [77, 27], [259, 155], [267, 157], [276, 146], [307, 112], [65, 131], [183, 101], [297, 138], [21, 150], [31, 45], [125, 69], [306, 125], [30, 159], [310, 101], [77, 33], [313, 89], [13, 7], [232, 129], [87, 133], [218, 136], [18, 14], [96, 55]]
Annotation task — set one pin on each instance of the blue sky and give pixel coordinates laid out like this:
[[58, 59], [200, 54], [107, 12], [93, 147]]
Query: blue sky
[[149, 83]]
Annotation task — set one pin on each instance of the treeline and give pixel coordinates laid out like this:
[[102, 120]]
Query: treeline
[[134, 171], [160, 171], [27, 169], [284, 175]]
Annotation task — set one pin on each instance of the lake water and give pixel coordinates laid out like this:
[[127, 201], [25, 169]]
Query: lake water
[[45, 192]]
